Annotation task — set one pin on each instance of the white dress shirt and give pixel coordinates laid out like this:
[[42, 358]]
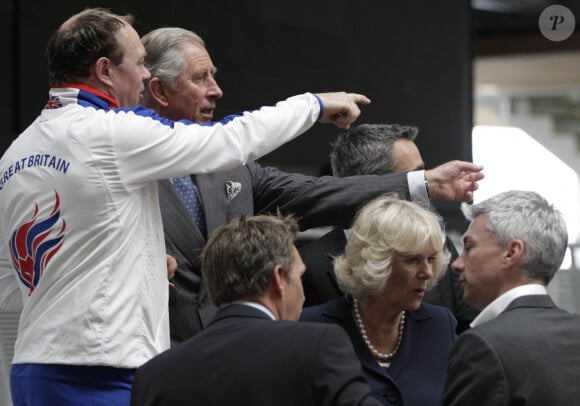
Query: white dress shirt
[[492, 310]]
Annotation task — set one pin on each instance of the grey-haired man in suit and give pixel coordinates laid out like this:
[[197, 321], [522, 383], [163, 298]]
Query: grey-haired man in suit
[[522, 349], [183, 86]]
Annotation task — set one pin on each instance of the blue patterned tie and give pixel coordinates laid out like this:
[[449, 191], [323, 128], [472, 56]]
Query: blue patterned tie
[[188, 193]]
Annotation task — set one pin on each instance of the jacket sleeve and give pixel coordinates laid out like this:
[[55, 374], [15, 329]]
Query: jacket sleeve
[[322, 201], [475, 374], [147, 147], [337, 376]]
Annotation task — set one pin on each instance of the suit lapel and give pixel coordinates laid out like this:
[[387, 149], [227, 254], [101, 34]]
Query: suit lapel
[[213, 201], [340, 310], [215, 204], [174, 214], [413, 335], [225, 196]]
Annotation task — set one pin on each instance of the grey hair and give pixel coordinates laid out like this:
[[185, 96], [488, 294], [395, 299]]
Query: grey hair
[[526, 216], [164, 58], [367, 149], [384, 227]]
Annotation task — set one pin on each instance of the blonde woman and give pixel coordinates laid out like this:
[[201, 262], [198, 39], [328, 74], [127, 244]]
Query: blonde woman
[[394, 253]]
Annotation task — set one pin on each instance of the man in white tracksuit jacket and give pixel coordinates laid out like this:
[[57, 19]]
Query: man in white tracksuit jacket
[[83, 250]]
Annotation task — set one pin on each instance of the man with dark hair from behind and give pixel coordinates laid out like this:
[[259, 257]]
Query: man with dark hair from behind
[[254, 353], [374, 149]]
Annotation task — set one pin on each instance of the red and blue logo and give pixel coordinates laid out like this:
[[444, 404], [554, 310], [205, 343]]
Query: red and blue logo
[[35, 243]]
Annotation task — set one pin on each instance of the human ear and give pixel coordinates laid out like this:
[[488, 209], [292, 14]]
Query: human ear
[[102, 70], [278, 280], [158, 91], [514, 251]]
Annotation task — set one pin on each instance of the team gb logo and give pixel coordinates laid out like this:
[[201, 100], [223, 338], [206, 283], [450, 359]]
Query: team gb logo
[[35, 243]]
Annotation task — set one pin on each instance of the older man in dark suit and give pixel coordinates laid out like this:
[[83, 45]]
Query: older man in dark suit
[[182, 86], [254, 352], [522, 349]]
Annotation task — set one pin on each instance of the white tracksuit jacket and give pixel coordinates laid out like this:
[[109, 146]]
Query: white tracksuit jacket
[[82, 249]]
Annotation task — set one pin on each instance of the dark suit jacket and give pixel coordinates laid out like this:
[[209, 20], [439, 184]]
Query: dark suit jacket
[[528, 355], [417, 373], [245, 358], [248, 190], [320, 283]]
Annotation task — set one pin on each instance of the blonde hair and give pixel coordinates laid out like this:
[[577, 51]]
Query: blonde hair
[[384, 227]]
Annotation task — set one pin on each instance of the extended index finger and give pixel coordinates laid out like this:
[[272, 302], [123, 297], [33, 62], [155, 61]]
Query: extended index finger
[[359, 98], [465, 166]]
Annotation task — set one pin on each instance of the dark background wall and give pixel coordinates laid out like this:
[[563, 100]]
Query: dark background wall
[[412, 58], [8, 78]]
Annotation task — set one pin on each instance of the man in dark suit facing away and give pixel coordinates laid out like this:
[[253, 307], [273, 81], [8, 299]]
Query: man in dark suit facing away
[[183, 86], [254, 352], [522, 349], [374, 149]]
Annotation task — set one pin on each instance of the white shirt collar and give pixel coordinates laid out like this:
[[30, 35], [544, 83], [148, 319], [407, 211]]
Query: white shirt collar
[[492, 310], [258, 306]]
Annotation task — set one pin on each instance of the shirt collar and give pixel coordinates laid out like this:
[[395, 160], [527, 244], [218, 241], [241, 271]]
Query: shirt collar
[[258, 306], [110, 100], [492, 310]]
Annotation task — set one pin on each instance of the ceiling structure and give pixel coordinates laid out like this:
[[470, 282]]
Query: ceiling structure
[[513, 60]]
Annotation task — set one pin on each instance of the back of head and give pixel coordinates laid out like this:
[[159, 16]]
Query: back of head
[[384, 227], [239, 258], [164, 58], [527, 216], [80, 41], [367, 149]]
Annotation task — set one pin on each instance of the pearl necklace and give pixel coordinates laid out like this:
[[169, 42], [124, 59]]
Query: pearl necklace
[[378, 355]]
